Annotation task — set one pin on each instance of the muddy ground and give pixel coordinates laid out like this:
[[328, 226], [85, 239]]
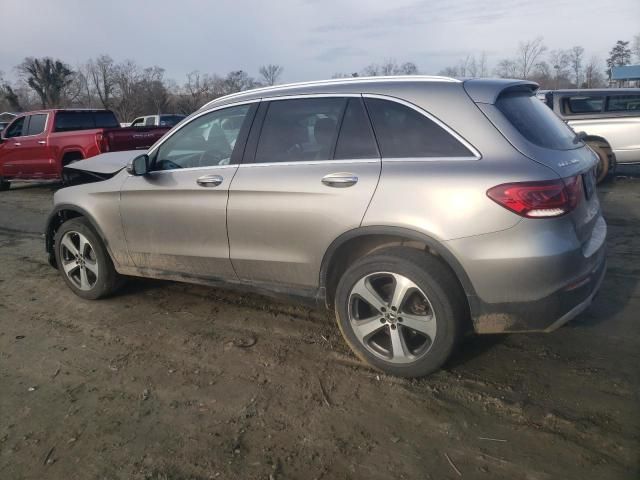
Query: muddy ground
[[171, 381]]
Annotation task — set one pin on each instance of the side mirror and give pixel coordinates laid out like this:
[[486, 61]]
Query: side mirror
[[139, 165]]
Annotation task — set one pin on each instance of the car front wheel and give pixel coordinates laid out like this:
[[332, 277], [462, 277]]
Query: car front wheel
[[401, 311], [83, 260]]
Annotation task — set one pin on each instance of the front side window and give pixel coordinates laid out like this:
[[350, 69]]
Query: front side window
[[15, 129], [36, 124], [138, 122], [623, 103], [207, 141], [300, 130], [583, 104], [403, 132]]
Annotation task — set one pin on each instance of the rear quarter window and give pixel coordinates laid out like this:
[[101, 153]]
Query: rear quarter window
[[536, 122], [624, 103], [403, 132]]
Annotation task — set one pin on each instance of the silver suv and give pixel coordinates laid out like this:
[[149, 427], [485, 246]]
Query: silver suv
[[417, 208]]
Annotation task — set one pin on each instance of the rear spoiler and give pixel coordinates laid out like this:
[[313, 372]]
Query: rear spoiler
[[488, 91]]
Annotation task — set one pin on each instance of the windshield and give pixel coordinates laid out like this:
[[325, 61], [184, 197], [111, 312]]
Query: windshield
[[536, 122]]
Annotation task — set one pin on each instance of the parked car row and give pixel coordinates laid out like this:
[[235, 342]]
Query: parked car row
[[416, 208], [38, 145], [609, 118]]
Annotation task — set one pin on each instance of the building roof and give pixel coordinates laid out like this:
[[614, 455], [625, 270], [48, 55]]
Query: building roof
[[628, 72]]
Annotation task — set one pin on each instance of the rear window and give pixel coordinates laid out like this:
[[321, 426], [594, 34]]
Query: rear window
[[171, 120], [623, 103], [69, 121], [536, 122]]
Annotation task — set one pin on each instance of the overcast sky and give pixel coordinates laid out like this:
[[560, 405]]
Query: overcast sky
[[312, 39]]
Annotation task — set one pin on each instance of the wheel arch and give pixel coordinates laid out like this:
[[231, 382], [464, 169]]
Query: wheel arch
[[361, 241], [59, 215]]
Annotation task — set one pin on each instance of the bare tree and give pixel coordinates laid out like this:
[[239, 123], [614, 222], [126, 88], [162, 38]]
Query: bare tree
[[507, 68], [126, 78], [529, 53], [271, 73], [195, 92], [560, 61], [576, 57], [47, 77], [388, 68], [636, 47], [102, 74], [593, 77], [483, 69]]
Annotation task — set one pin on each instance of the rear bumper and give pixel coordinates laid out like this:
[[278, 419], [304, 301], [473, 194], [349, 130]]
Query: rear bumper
[[544, 315], [534, 277]]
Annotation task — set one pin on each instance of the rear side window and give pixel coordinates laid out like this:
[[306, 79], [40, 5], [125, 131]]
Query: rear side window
[[150, 122], [356, 138], [583, 104], [536, 122], [36, 124], [300, 130], [402, 132], [623, 103], [69, 121]]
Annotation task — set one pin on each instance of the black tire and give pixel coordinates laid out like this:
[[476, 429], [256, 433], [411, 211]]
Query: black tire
[[440, 287], [4, 185], [605, 167], [107, 280]]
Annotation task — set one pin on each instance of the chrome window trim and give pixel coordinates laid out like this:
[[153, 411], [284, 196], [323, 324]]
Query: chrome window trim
[[189, 169], [476, 154], [302, 96], [311, 162], [197, 115], [46, 123]]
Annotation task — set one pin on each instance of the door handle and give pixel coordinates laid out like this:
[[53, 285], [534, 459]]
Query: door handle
[[340, 180], [210, 180], [17, 144], [42, 142]]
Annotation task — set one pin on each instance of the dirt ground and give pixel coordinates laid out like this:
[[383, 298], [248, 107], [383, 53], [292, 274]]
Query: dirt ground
[[168, 381]]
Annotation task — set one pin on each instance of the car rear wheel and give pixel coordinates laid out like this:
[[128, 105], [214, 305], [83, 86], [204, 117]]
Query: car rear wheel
[[401, 311], [83, 260]]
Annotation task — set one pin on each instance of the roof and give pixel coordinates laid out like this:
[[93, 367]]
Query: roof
[[338, 85], [628, 72]]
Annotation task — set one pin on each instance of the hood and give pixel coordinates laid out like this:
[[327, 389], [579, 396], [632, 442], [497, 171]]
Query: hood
[[106, 163]]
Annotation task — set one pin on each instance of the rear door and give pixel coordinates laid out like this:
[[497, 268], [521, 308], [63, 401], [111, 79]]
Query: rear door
[[310, 169], [174, 218]]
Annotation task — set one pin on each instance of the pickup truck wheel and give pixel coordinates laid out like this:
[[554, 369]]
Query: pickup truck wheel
[[401, 311], [602, 170], [83, 260], [4, 185]]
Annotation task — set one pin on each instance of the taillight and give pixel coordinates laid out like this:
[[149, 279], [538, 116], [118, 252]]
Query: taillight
[[551, 198], [101, 141]]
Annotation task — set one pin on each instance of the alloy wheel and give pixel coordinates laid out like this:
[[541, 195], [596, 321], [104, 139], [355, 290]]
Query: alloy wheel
[[79, 260], [392, 317]]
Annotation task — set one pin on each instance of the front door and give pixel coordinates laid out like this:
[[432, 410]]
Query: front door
[[35, 160], [309, 172], [174, 218], [11, 148]]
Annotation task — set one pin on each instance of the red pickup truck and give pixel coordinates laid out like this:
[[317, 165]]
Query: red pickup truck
[[37, 145]]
